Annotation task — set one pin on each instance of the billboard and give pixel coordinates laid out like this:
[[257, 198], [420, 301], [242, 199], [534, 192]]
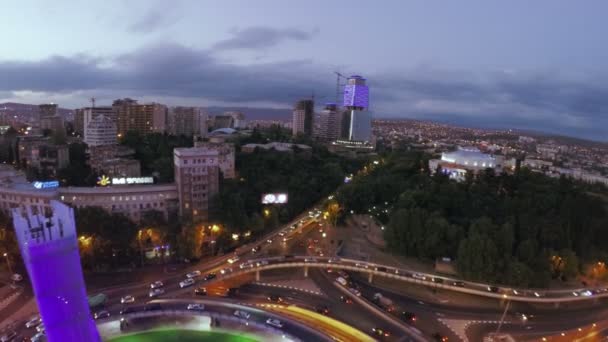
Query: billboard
[[276, 198]]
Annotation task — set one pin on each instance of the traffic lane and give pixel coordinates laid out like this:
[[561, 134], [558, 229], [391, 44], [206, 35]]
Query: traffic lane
[[475, 313], [351, 314], [262, 293]]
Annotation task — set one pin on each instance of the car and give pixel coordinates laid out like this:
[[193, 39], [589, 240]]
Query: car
[[193, 274], [39, 337], [493, 289], [437, 280], [232, 291], [200, 291], [210, 276], [233, 259], [586, 293], [186, 283], [246, 264], [343, 274], [310, 260], [33, 322], [275, 298], [242, 314], [281, 234], [322, 309], [127, 299], [536, 294], [156, 284], [381, 332], [439, 338], [226, 270], [8, 336], [342, 281], [196, 307], [101, 314], [40, 327], [128, 310], [333, 260], [408, 316], [261, 263], [419, 276], [256, 249], [156, 292], [458, 283], [354, 291], [274, 322], [16, 277], [346, 299], [269, 241]]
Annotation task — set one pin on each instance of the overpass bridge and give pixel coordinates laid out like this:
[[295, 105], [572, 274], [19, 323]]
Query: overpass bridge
[[409, 276]]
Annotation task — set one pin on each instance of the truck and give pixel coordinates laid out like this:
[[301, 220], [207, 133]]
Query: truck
[[383, 302]]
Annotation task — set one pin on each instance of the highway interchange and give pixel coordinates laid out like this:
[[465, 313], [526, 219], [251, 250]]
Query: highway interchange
[[430, 316]]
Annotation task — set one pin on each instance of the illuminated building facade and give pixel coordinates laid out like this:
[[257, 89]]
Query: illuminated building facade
[[49, 247], [356, 119]]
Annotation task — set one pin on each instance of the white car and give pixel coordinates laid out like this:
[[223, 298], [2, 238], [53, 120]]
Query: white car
[[333, 260], [233, 259], [310, 260], [269, 241], [281, 233], [156, 292], [156, 284], [33, 322], [242, 314], [355, 291], [196, 307], [274, 322], [186, 283], [419, 276], [226, 270], [193, 274], [127, 299]]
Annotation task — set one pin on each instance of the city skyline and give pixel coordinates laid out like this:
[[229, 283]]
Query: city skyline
[[523, 66]]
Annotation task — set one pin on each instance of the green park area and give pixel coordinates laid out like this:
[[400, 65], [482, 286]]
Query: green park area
[[170, 335]]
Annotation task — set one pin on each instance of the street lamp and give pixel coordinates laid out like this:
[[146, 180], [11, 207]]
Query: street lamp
[[8, 263]]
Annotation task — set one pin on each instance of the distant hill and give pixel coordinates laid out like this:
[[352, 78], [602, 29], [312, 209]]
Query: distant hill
[[27, 109]]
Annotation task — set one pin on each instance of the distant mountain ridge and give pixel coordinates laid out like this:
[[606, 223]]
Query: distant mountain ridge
[[25, 108]]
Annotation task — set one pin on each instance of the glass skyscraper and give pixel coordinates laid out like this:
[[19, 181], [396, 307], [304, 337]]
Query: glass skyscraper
[[356, 119]]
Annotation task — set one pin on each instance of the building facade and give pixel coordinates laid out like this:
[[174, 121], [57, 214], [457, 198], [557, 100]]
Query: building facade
[[187, 121], [54, 123], [303, 117], [458, 163], [225, 158], [142, 118], [100, 131], [197, 180], [329, 123], [39, 152], [356, 119]]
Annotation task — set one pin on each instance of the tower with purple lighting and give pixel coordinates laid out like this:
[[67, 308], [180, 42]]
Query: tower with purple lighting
[[49, 246], [356, 119]]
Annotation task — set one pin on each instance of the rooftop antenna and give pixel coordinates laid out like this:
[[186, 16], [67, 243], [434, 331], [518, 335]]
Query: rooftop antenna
[[92, 102]]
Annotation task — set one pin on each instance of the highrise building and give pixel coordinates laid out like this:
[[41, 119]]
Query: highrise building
[[187, 121], [101, 130], [47, 109], [83, 116], [54, 123], [329, 123], [197, 180], [49, 247], [303, 114], [356, 120], [235, 120], [225, 158], [142, 118]]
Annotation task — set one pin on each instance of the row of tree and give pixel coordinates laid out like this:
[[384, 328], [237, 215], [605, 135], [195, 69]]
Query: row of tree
[[520, 229]]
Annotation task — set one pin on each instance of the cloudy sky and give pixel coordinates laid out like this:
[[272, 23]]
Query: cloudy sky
[[539, 65]]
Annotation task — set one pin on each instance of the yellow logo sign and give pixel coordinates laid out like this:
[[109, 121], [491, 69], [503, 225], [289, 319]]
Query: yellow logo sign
[[103, 180]]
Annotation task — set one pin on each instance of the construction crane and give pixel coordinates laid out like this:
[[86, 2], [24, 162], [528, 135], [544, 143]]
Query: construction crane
[[339, 85]]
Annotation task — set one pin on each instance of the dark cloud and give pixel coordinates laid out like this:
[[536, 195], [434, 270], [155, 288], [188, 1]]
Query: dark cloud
[[547, 101], [260, 37]]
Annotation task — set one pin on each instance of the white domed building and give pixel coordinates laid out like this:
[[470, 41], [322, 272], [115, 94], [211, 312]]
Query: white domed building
[[465, 159]]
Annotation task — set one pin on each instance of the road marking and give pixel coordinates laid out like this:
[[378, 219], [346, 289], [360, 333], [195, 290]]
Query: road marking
[[289, 288], [459, 326], [421, 302]]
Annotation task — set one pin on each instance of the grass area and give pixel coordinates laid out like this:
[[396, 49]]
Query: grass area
[[170, 335]]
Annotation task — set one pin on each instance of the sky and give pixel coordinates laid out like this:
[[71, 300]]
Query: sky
[[537, 65]]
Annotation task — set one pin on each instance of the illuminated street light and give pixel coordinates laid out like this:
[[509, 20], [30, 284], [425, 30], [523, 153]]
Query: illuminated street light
[[266, 212], [235, 237], [215, 228], [324, 235]]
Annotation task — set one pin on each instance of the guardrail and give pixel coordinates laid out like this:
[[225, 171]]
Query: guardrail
[[430, 280]]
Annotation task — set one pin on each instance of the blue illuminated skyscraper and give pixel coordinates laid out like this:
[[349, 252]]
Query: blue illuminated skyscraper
[[49, 247], [356, 118]]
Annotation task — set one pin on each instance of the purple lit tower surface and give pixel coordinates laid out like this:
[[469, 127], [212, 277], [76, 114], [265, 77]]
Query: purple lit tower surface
[[49, 247], [356, 93]]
